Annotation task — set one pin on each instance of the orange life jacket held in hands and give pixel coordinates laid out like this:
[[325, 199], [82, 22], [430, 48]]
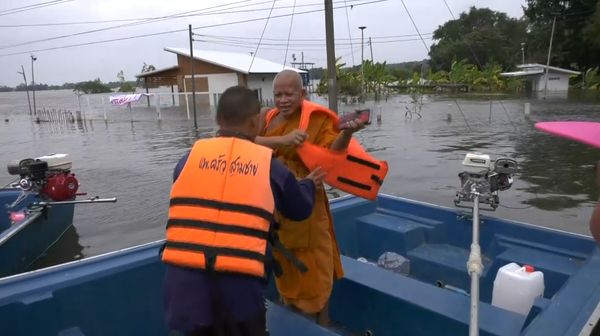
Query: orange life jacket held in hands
[[221, 208], [353, 171]]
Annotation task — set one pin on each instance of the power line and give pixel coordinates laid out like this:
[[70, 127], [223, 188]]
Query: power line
[[312, 39], [283, 44], [178, 30], [289, 35], [117, 26], [349, 33], [220, 12], [32, 7], [415, 25], [450, 10], [261, 35]]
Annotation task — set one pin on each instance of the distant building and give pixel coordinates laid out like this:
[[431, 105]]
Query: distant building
[[558, 78], [214, 72]]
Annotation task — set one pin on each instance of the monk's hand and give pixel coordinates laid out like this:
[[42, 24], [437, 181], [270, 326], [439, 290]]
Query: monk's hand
[[294, 138], [353, 126], [317, 176]]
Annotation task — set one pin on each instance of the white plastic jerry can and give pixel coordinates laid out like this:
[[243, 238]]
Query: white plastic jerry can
[[516, 288]]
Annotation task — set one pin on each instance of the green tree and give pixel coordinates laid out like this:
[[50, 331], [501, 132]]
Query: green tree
[[574, 44], [377, 77], [480, 36], [95, 86], [348, 82]]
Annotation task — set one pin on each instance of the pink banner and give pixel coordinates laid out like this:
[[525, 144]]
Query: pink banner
[[126, 99]]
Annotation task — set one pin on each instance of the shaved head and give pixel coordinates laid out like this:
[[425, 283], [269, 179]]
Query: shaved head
[[289, 76], [288, 91]]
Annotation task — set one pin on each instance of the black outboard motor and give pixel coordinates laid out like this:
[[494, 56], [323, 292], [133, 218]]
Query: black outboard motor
[[49, 175]]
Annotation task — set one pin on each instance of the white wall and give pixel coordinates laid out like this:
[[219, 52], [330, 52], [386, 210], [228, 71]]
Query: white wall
[[264, 82], [556, 82], [218, 83]]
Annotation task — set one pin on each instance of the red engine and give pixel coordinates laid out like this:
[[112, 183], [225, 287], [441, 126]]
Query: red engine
[[61, 186]]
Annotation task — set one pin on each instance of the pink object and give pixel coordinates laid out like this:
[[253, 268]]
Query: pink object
[[17, 216], [586, 132]]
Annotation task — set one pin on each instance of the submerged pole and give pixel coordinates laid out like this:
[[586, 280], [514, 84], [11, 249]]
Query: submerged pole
[[26, 88], [548, 61]]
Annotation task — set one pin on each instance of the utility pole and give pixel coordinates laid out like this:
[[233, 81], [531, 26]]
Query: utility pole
[[26, 87], [192, 70], [523, 52], [33, 59], [371, 46], [331, 73], [548, 61], [362, 63]]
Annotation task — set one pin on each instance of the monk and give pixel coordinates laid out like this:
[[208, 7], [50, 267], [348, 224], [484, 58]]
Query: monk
[[312, 241]]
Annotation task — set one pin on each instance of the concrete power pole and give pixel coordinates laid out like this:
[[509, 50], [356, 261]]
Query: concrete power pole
[[192, 70], [26, 88], [331, 73], [548, 61], [362, 63]]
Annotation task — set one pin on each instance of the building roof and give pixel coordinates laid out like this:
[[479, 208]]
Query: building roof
[[550, 68], [157, 71], [533, 69], [238, 62]]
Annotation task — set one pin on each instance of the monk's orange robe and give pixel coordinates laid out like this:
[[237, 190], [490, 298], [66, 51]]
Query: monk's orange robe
[[312, 240]]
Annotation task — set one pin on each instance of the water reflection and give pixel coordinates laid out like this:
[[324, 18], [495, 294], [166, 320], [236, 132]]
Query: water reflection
[[66, 249], [134, 161], [560, 169]]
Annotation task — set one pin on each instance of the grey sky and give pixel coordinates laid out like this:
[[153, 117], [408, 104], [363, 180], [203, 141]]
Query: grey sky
[[382, 19]]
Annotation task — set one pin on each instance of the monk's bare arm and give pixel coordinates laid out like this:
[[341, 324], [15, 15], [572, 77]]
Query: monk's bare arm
[[342, 141], [273, 142]]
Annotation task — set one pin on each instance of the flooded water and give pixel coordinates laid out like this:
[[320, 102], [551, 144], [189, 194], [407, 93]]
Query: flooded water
[[131, 156]]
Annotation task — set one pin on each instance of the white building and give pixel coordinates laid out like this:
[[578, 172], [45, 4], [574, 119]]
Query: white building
[[215, 71], [558, 78]]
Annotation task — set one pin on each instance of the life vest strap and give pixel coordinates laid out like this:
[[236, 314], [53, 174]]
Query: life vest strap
[[212, 226], [216, 251], [377, 179], [358, 160], [277, 245], [354, 183], [247, 209]]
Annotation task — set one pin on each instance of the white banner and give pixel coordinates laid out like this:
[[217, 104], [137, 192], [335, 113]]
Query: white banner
[[126, 99]]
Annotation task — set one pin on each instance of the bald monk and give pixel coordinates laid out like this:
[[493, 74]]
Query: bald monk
[[312, 241]]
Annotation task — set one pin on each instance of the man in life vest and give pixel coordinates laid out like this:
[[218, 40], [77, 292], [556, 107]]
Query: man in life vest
[[220, 222], [312, 240]]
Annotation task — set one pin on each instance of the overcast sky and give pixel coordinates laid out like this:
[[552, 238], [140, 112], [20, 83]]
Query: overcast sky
[[394, 37]]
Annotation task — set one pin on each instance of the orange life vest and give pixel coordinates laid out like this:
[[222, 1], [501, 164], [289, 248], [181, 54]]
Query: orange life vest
[[353, 171], [221, 208]]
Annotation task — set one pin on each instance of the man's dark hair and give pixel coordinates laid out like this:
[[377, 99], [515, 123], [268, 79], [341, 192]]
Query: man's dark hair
[[236, 105]]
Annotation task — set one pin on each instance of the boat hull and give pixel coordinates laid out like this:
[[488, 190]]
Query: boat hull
[[120, 293], [21, 244]]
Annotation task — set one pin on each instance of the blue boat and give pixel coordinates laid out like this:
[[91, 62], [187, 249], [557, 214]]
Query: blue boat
[[119, 293], [36, 210]]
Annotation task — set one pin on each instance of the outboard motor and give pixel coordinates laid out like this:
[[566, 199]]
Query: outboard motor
[[49, 175]]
